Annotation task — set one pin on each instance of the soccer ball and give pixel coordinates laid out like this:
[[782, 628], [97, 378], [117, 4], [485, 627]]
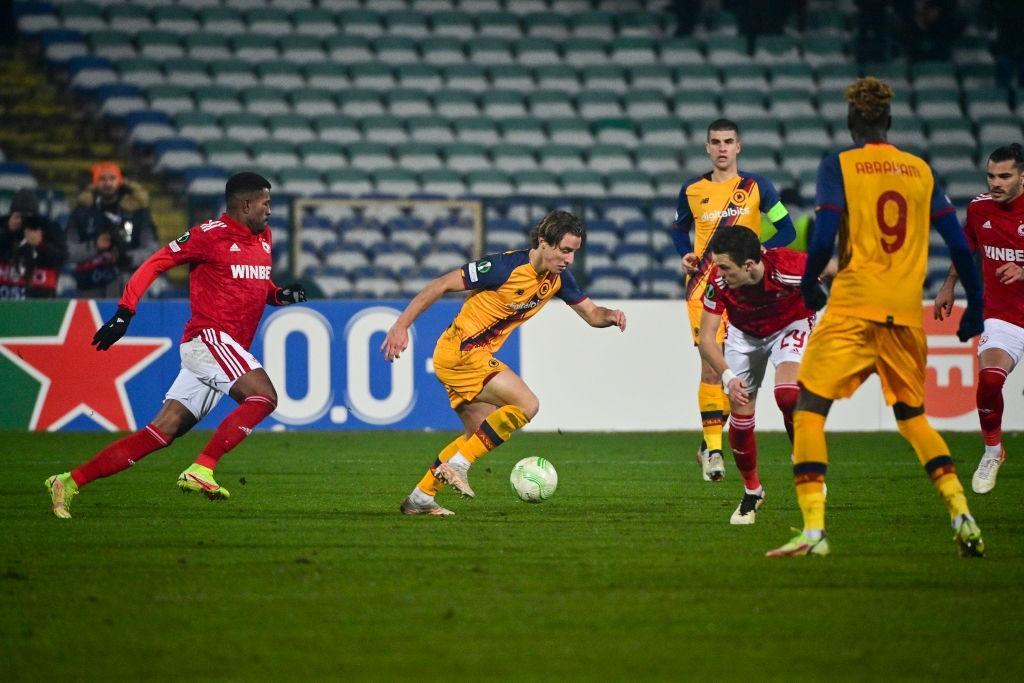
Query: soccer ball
[[534, 479]]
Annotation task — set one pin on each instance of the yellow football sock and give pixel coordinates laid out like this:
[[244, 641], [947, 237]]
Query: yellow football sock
[[933, 453], [430, 484], [810, 463], [712, 403], [493, 432]]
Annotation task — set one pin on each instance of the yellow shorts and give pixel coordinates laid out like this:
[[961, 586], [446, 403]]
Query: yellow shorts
[[844, 351], [695, 307], [464, 374]]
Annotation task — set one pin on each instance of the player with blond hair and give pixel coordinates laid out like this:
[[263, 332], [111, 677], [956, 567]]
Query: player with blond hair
[[881, 201], [491, 400]]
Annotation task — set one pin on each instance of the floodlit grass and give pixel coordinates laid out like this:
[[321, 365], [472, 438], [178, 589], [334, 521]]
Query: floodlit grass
[[631, 571]]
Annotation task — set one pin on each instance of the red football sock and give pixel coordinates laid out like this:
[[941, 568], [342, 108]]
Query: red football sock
[[785, 397], [235, 427], [121, 455], [744, 449], [990, 404]]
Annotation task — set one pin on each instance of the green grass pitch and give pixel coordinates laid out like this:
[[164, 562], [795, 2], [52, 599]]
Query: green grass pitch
[[631, 571]]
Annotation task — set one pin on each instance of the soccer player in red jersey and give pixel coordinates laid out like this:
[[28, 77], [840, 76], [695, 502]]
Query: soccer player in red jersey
[[995, 227], [759, 289], [229, 287]]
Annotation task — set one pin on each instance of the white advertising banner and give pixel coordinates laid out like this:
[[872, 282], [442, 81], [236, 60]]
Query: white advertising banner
[[646, 377]]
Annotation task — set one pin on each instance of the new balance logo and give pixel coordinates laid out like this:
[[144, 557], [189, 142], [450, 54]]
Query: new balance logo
[[987, 224], [234, 247], [241, 272]]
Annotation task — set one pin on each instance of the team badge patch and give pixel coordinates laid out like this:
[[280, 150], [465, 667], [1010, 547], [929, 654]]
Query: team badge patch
[[266, 247], [709, 293], [492, 363], [1020, 230], [483, 266], [739, 197], [183, 238]]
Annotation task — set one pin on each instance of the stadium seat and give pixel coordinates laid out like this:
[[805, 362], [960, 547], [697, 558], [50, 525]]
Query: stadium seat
[[513, 158], [467, 157], [560, 158], [793, 77], [302, 181], [301, 48], [216, 100], [361, 102], [930, 77], [534, 52], [397, 181], [233, 73], [147, 127], [405, 102], [655, 159], [254, 47], [370, 156], [788, 103], [613, 281], [583, 182], [609, 158], [434, 129], [536, 182], [657, 77], [452, 25], [112, 45], [997, 132], [293, 128], [487, 52], [373, 76], [697, 113], [170, 99], [489, 183], [990, 102], [265, 100], [548, 104], [391, 49], [938, 103], [191, 73], [442, 182], [322, 155], [511, 77], [128, 18], [570, 131], [477, 130], [582, 52], [419, 156], [549, 25], [221, 20], [384, 129], [821, 50], [557, 78], [470, 77], [442, 51], [526, 131], [311, 21], [594, 25], [776, 49], [645, 104], [442, 260], [596, 104], [174, 155], [116, 100], [335, 128], [276, 156], [503, 25], [405, 24], [953, 130], [419, 76], [246, 127], [502, 104], [312, 102], [348, 181], [361, 23], [666, 131], [629, 183]]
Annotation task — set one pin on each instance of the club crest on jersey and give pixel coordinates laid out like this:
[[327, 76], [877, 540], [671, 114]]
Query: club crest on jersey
[[265, 245], [1020, 230], [739, 197], [545, 287]]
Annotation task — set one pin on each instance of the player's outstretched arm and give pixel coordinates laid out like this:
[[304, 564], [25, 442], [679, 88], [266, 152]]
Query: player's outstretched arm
[[711, 353], [599, 316], [397, 339], [115, 328]]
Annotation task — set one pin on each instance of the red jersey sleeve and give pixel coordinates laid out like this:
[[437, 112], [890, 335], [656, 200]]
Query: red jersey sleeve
[[186, 249], [788, 263], [713, 302]]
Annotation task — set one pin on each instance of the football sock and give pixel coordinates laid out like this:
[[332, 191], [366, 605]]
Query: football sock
[[430, 484], [990, 404], [711, 400], [933, 453], [744, 449], [810, 464], [785, 397], [236, 426], [121, 455]]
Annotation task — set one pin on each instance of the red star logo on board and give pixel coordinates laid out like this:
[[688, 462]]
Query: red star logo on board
[[76, 379]]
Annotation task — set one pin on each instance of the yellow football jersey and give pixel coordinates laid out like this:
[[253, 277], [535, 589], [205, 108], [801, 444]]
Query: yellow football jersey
[[508, 292], [705, 205], [887, 199]]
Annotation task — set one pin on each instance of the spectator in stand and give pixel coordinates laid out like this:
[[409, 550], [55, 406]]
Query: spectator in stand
[[32, 250], [930, 27], [110, 232]]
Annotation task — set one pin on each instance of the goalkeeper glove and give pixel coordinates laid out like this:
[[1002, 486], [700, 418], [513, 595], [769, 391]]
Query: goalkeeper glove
[[292, 294], [814, 295], [971, 324], [112, 330]]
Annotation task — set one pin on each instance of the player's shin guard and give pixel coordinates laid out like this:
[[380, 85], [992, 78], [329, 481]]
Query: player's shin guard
[[744, 449], [430, 484], [236, 426], [711, 400], [785, 397], [933, 453], [121, 455], [810, 464], [494, 431], [990, 404]]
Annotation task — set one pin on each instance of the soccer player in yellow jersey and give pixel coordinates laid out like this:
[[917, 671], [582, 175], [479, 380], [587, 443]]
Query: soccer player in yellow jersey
[[491, 400], [881, 201], [726, 196]]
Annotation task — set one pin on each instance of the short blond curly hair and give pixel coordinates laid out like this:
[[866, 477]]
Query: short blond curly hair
[[870, 98]]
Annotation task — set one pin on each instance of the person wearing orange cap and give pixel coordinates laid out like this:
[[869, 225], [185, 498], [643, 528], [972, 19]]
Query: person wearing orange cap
[[110, 232]]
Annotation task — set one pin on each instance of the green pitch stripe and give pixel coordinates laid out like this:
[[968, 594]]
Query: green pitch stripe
[[24, 319]]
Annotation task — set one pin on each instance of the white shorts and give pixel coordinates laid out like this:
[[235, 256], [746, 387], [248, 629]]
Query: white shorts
[[748, 356], [1000, 334], [210, 365]]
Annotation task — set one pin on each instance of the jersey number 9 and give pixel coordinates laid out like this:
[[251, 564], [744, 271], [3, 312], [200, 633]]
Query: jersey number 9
[[897, 230]]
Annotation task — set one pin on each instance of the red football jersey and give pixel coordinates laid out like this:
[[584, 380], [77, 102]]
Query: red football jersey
[[229, 277], [770, 305], [997, 231]]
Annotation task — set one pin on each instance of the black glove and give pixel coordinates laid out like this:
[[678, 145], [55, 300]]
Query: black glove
[[292, 294], [814, 295], [112, 330], [971, 324]]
